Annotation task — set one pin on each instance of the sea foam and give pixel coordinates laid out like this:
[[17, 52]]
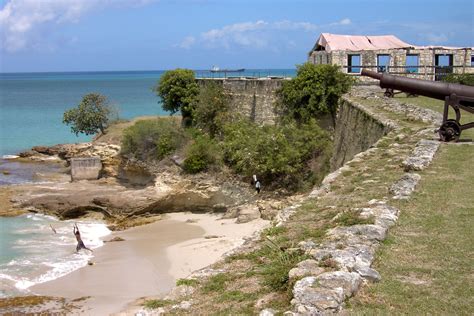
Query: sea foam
[[34, 253]]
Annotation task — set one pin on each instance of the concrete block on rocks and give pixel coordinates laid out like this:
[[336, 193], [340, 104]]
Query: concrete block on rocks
[[85, 168]]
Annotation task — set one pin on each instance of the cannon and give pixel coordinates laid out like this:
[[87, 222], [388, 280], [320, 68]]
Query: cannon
[[457, 96]]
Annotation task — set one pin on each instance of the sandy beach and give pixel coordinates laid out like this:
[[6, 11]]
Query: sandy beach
[[149, 260]]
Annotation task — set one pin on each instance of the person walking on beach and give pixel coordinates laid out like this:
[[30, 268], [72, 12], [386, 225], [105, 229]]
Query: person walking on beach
[[80, 243]]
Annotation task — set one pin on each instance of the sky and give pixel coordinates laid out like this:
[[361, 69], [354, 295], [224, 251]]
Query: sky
[[109, 35]]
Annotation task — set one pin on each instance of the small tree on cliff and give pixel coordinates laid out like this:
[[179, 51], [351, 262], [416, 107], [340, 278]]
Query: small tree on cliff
[[314, 91], [178, 90], [91, 116]]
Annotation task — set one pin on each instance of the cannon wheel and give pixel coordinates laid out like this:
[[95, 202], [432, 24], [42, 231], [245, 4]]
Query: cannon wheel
[[389, 93], [449, 130]]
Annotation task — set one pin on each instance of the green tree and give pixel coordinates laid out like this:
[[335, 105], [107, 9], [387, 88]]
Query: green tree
[[91, 116], [177, 90], [211, 110], [314, 91]]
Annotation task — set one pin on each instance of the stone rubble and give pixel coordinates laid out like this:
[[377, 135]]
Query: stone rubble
[[422, 155], [403, 188]]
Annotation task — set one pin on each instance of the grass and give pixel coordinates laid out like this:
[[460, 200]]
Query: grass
[[154, 304], [216, 283], [438, 106], [114, 132], [188, 282], [426, 263]]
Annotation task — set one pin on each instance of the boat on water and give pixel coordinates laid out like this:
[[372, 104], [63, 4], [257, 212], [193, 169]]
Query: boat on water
[[217, 69]]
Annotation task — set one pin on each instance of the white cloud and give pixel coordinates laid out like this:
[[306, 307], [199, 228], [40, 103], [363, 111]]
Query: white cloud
[[345, 22], [23, 21], [187, 42], [342, 22], [259, 34], [436, 38]]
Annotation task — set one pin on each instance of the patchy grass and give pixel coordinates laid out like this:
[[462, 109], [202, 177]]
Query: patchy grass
[[114, 132], [351, 218], [188, 282], [438, 106], [154, 304], [426, 262], [25, 301], [216, 283]]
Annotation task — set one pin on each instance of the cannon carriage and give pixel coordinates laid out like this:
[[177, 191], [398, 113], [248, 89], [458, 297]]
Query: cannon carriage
[[456, 96]]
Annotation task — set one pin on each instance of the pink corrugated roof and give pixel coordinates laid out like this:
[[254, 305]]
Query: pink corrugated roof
[[360, 42]]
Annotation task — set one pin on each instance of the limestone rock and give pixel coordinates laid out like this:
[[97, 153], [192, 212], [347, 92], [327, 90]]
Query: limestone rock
[[184, 305], [308, 267], [368, 273], [179, 292], [307, 246], [267, 312], [308, 297], [247, 214], [403, 188], [268, 211], [422, 155], [348, 281], [384, 215], [368, 232]]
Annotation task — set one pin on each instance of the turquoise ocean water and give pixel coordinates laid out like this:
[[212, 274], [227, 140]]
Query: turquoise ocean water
[[31, 110]]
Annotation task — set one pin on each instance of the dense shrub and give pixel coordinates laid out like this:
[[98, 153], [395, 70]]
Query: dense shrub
[[466, 79], [201, 153], [211, 109], [314, 91], [276, 152], [152, 139]]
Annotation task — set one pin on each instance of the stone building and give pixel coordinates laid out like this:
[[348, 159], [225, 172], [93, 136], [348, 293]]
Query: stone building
[[389, 54]]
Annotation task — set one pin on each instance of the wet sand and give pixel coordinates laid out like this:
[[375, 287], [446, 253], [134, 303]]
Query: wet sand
[[149, 261]]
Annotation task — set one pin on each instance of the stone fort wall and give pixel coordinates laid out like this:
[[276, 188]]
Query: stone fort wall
[[253, 98]]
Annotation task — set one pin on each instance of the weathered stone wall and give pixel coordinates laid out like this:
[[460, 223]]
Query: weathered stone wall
[[356, 131], [253, 98]]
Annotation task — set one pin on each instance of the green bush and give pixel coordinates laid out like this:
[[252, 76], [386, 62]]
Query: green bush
[[276, 152], [178, 89], [152, 139], [201, 153], [466, 79], [314, 91], [211, 109]]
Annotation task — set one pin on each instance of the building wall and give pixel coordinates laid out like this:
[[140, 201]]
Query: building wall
[[398, 58]]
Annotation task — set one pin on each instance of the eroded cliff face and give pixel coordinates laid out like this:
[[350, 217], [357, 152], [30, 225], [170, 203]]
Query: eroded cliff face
[[356, 130]]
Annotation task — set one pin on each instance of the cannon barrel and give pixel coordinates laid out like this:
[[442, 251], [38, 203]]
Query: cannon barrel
[[432, 89]]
